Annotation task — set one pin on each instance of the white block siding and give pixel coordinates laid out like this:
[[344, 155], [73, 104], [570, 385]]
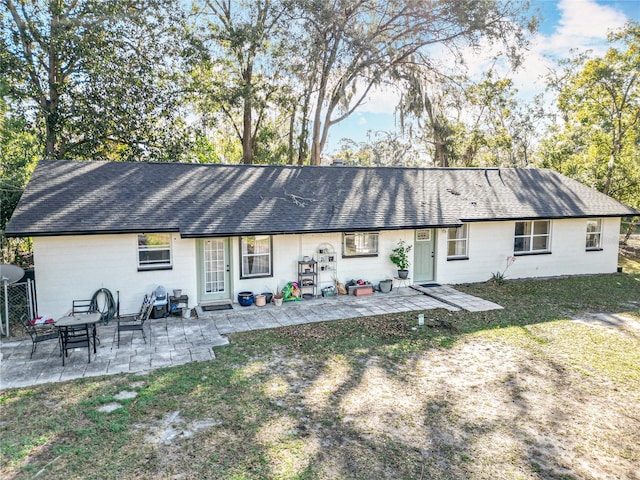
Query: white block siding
[[288, 249], [491, 242], [74, 267]]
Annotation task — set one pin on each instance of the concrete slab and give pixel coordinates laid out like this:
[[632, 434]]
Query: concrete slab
[[176, 340]]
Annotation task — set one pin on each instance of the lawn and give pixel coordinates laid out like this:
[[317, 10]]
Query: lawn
[[541, 389]]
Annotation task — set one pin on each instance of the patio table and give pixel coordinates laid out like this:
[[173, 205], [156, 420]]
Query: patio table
[[67, 324]]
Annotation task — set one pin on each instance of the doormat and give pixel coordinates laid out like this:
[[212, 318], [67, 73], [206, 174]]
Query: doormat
[[215, 308], [427, 285]]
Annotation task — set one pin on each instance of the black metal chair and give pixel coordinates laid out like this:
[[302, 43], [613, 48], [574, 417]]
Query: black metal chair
[[135, 322], [77, 336], [80, 307], [39, 333]]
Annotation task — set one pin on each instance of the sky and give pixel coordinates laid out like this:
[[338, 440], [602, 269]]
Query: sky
[[564, 25]]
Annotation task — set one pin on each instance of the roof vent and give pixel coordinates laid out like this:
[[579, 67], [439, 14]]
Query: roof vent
[[338, 162]]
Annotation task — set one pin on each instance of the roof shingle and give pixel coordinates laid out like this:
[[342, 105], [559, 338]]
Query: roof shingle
[[70, 197]]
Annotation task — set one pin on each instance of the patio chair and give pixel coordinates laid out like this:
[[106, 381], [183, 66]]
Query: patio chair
[[73, 337], [39, 332], [79, 307], [82, 306], [135, 322]]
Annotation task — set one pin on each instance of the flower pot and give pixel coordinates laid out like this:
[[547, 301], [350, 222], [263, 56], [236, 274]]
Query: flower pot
[[267, 296], [245, 298], [403, 274], [385, 286], [261, 300], [278, 301]]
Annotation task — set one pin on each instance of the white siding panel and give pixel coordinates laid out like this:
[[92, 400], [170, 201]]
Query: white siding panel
[[289, 249], [490, 243], [75, 267]]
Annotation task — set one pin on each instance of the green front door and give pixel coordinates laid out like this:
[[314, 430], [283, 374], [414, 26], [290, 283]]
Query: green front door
[[424, 255], [213, 269]]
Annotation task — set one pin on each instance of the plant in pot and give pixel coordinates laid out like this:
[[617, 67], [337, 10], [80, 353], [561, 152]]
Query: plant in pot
[[278, 297], [400, 258]]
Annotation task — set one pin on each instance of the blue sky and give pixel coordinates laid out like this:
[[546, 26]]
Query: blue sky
[[565, 25]]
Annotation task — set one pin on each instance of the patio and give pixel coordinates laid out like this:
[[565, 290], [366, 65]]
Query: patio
[[175, 341]]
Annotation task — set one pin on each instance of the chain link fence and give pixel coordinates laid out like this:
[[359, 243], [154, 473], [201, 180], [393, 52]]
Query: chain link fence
[[18, 301]]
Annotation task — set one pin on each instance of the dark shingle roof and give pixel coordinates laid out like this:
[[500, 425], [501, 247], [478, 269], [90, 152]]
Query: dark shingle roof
[[67, 197]]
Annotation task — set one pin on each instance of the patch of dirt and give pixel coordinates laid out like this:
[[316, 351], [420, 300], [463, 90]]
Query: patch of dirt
[[481, 409], [616, 321], [172, 427]]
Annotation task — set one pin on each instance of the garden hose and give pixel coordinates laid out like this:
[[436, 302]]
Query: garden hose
[[108, 309]]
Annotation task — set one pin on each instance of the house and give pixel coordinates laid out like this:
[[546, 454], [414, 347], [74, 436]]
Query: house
[[216, 230]]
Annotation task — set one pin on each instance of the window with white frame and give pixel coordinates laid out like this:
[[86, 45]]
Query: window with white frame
[[154, 251], [359, 244], [457, 242], [255, 256], [532, 236], [594, 234]]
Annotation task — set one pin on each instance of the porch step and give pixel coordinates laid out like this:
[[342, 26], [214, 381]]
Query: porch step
[[451, 296]]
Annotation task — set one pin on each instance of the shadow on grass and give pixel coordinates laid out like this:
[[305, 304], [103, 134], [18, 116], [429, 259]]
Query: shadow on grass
[[373, 397]]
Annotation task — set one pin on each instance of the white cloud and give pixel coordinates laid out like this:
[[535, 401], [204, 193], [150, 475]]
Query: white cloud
[[586, 19], [581, 25], [382, 99]]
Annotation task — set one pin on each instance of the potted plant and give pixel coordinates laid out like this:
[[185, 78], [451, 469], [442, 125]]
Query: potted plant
[[386, 285], [278, 297], [400, 258]]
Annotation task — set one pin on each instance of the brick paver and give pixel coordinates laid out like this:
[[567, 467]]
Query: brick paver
[[175, 341]]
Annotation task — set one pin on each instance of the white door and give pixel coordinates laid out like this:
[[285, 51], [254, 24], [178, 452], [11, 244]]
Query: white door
[[213, 269]]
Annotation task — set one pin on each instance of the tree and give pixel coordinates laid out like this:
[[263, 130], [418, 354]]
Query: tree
[[355, 45], [19, 150], [240, 79], [99, 75], [599, 101], [467, 123]]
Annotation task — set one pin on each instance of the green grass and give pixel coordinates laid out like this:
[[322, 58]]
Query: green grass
[[629, 265], [467, 395]]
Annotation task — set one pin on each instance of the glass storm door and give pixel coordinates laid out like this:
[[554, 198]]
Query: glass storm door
[[424, 255], [213, 269]]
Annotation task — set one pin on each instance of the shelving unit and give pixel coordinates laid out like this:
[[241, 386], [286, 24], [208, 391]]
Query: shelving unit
[[327, 265], [176, 304], [308, 278]]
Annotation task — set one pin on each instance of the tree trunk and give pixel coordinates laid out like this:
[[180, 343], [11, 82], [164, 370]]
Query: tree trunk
[[316, 149], [51, 105], [292, 126], [632, 227], [247, 144], [247, 116], [303, 146]]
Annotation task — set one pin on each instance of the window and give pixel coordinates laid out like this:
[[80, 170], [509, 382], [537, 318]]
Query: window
[[359, 244], [255, 256], [532, 237], [423, 235], [154, 251], [594, 234], [457, 243]]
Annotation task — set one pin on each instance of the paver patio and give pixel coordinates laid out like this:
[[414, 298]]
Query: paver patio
[[175, 340]]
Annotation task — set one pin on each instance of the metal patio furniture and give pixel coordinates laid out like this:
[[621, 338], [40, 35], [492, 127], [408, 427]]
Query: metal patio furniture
[[78, 331], [135, 322], [39, 332]]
